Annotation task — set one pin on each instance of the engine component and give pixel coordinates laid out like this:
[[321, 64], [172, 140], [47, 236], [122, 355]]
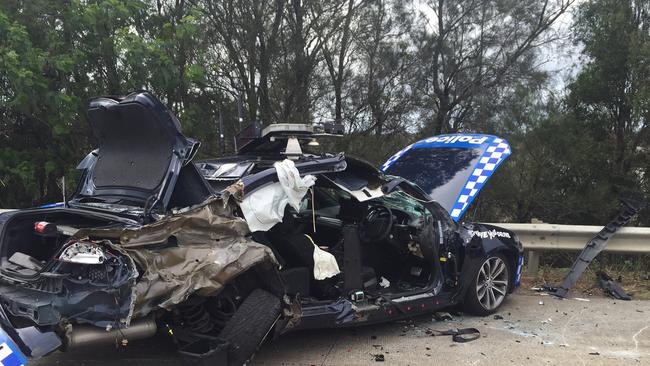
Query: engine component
[[81, 336]]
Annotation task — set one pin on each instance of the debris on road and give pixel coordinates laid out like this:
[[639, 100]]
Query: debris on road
[[544, 288], [611, 288], [442, 316], [458, 335], [596, 245]]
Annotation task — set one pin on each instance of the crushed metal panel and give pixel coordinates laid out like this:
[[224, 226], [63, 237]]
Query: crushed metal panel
[[197, 250]]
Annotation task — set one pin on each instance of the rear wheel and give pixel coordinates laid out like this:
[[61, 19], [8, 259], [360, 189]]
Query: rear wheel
[[489, 287], [250, 324]]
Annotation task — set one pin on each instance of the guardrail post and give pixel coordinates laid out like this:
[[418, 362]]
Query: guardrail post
[[533, 263]]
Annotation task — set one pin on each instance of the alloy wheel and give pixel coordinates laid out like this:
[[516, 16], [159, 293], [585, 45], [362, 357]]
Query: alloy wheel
[[492, 283]]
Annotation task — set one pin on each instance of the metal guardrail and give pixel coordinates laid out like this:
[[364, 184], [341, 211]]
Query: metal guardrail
[[544, 237], [574, 237]]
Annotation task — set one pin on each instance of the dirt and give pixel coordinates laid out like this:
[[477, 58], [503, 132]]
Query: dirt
[[635, 283]]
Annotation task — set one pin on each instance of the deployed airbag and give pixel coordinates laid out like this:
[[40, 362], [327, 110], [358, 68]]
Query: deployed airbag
[[265, 207], [325, 265]]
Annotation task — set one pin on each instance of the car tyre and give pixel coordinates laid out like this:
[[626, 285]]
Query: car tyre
[[250, 324], [489, 287]]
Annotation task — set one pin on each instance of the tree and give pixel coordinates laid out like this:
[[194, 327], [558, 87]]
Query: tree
[[473, 48], [610, 98], [336, 53], [54, 56], [576, 155], [382, 91]]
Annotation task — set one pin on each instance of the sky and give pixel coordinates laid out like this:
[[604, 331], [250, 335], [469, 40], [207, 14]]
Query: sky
[[561, 59]]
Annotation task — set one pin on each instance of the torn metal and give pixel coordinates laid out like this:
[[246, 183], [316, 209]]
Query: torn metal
[[99, 294], [195, 251], [108, 275]]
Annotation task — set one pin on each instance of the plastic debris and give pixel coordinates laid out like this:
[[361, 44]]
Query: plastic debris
[[442, 316], [611, 287]]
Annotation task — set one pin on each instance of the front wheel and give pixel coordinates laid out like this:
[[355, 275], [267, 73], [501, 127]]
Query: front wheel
[[250, 324], [489, 287]]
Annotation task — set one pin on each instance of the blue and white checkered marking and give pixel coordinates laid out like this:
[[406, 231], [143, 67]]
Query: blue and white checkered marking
[[9, 356], [520, 266], [496, 151], [394, 158], [493, 156]]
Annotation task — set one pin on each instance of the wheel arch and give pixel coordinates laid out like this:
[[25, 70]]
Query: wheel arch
[[479, 249], [264, 275]]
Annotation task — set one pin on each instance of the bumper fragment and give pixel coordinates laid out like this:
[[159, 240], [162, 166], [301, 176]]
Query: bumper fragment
[[17, 345]]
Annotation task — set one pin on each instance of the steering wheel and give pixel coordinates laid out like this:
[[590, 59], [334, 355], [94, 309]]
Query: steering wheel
[[377, 224]]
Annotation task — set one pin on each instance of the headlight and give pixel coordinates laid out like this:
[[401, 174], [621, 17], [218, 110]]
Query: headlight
[[83, 253]]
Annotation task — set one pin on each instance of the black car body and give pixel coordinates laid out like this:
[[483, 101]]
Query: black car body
[[151, 240]]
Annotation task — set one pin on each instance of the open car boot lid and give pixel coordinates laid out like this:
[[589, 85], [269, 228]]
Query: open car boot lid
[[141, 150], [451, 169]]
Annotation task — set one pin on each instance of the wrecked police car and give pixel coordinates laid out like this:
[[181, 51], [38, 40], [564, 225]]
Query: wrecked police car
[[224, 253]]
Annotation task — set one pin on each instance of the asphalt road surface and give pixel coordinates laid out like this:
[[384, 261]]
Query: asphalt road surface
[[600, 331]]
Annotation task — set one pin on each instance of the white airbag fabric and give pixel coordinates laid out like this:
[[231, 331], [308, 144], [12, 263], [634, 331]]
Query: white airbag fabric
[[265, 207], [325, 265]]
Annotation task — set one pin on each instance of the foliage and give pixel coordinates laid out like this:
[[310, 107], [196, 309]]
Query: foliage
[[391, 71]]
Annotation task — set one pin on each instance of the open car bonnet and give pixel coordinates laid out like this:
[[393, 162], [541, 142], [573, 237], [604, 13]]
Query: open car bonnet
[[141, 150], [451, 169]]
